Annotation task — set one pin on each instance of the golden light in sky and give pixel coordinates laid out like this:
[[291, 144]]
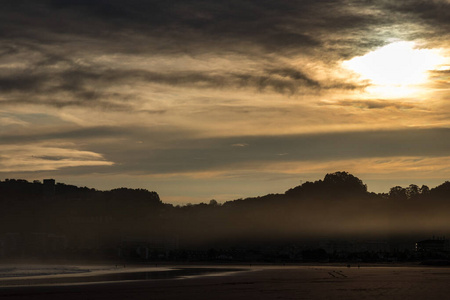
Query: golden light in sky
[[397, 69], [222, 100]]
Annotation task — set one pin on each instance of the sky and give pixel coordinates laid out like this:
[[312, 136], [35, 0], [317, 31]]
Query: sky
[[203, 99]]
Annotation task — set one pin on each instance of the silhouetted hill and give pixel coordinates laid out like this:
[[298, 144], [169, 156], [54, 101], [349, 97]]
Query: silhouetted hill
[[335, 185], [36, 215]]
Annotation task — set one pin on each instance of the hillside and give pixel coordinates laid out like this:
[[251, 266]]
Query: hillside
[[82, 220]]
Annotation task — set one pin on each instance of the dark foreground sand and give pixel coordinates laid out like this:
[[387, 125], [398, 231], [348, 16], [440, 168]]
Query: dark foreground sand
[[304, 282]]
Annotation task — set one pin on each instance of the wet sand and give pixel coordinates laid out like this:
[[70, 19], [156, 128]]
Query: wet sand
[[283, 282], [99, 274]]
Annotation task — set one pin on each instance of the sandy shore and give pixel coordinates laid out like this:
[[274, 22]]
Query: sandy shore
[[283, 282]]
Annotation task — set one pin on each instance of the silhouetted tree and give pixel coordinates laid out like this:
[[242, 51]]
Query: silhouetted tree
[[412, 191], [441, 191], [398, 193], [424, 190]]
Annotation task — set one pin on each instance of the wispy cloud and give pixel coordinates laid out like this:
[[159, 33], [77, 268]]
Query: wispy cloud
[[41, 157], [374, 104]]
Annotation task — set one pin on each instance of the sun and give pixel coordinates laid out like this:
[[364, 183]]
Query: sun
[[395, 70]]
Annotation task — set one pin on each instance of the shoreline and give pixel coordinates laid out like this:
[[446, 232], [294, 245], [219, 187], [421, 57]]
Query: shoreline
[[115, 275], [92, 274], [262, 282]]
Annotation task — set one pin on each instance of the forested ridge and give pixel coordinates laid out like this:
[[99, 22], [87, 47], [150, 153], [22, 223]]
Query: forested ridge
[[337, 207]]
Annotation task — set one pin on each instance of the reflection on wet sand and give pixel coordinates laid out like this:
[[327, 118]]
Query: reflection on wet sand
[[118, 276], [262, 282]]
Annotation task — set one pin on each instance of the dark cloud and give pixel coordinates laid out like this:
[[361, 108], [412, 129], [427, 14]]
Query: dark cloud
[[53, 158], [433, 12], [294, 75], [159, 136], [8, 50], [373, 104], [63, 102], [86, 86], [158, 154], [54, 37], [70, 134], [195, 25], [428, 20], [22, 82], [324, 29], [261, 22]]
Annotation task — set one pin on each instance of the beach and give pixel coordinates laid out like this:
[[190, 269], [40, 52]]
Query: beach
[[249, 282]]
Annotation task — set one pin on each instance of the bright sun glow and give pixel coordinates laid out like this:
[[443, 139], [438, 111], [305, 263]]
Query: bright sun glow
[[395, 70]]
